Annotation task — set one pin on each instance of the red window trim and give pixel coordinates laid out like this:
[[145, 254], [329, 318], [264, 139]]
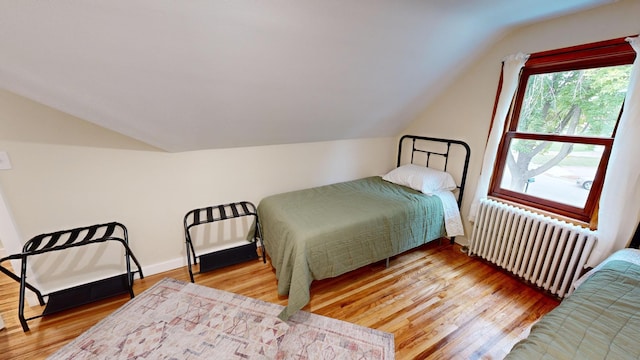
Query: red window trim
[[603, 53], [583, 56]]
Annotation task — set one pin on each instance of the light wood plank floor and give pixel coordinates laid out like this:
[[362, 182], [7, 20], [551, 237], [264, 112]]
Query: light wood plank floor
[[438, 302]]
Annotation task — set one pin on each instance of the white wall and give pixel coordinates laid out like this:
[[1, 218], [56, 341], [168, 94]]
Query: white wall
[[464, 109], [68, 173], [8, 233]]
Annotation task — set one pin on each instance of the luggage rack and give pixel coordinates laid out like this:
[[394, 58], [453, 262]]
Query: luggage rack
[[220, 258], [78, 295]]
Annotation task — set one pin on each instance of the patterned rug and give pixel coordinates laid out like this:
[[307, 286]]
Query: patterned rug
[[179, 320]]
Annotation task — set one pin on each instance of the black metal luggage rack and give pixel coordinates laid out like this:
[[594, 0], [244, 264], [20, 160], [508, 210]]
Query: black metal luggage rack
[[78, 295], [217, 259]]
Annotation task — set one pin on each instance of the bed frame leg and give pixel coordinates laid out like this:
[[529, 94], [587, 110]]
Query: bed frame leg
[[387, 263]]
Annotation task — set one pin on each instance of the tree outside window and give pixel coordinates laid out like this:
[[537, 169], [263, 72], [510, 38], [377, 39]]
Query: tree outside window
[[555, 150]]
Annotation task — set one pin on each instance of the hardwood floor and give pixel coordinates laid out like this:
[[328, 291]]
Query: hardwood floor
[[438, 302]]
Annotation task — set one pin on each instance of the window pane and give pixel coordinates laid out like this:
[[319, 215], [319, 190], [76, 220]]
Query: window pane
[[577, 102], [556, 171]]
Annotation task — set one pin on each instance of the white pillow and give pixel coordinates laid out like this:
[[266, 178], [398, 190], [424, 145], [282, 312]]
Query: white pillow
[[421, 178]]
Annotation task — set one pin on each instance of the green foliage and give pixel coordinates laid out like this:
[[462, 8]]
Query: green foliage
[[595, 94], [577, 102]]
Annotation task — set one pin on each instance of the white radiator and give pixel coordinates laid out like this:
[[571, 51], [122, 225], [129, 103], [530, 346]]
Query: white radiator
[[546, 252]]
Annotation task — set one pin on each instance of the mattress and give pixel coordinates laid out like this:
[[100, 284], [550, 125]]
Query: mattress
[[326, 231]]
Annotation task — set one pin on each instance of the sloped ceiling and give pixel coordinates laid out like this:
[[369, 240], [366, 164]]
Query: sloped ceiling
[[196, 74]]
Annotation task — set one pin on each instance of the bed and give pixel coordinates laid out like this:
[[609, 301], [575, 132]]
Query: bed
[[599, 320], [326, 231]]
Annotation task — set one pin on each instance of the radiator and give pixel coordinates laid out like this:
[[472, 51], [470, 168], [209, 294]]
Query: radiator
[[548, 253]]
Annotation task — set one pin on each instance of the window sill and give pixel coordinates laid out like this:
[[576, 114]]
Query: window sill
[[569, 220]]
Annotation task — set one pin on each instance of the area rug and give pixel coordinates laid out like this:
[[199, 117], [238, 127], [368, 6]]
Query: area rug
[[179, 320]]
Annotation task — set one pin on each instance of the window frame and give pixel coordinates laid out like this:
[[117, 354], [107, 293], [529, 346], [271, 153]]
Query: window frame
[[599, 54]]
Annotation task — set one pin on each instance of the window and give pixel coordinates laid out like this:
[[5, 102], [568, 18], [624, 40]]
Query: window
[[555, 148]]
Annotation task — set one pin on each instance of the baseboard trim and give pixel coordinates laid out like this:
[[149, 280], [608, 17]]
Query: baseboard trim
[[168, 265]]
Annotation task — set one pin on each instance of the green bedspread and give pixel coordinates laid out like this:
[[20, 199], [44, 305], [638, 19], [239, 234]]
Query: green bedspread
[[600, 320], [327, 231]]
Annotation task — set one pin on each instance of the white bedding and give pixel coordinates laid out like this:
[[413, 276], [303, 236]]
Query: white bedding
[[452, 219]]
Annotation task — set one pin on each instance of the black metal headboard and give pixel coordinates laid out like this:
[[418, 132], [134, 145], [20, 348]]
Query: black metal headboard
[[419, 146]]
